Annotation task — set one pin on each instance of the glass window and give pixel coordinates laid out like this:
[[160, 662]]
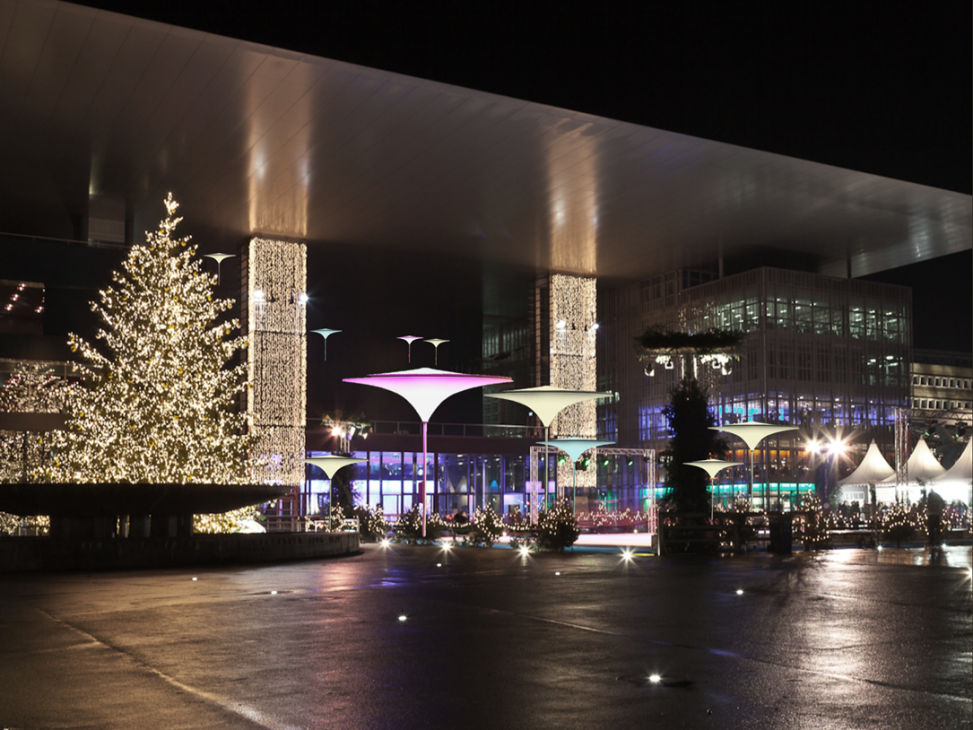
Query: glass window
[[856, 321]]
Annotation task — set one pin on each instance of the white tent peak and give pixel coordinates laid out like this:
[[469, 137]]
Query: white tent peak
[[874, 468], [962, 470], [921, 465]]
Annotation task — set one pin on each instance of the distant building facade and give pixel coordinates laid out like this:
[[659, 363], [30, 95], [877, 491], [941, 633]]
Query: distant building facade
[[826, 354]]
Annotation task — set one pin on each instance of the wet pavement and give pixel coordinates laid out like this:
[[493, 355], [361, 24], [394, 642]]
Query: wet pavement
[[475, 638]]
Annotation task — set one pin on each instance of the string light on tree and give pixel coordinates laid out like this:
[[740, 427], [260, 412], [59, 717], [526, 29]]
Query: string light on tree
[[159, 400]]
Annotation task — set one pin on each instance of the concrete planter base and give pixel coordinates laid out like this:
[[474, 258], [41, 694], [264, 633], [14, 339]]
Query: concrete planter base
[[46, 553]]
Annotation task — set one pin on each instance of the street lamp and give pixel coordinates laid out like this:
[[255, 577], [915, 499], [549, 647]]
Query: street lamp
[[752, 433], [426, 389], [330, 465], [325, 333], [546, 401], [712, 467], [574, 447]]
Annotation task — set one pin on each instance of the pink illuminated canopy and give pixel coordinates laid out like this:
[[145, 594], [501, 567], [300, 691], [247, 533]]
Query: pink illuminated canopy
[[427, 388]]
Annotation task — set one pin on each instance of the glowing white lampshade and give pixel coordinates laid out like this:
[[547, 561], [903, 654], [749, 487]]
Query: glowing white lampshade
[[219, 257], [325, 333], [713, 466], [574, 446], [547, 401], [752, 432], [330, 464], [409, 339], [426, 389], [436, 343]]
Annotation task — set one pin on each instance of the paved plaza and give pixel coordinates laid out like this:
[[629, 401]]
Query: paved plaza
[[411, 637]]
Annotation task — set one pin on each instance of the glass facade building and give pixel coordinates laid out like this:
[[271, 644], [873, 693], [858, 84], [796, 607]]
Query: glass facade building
[[828, 355], [462, 482]]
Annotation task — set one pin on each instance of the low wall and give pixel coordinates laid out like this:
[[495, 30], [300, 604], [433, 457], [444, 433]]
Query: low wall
[[45, 553]]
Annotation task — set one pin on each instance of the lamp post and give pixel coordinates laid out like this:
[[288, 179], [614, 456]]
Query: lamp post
[[426, 389], [574, 447], [330, 465], [436, 343], [219, 262], [409, 340], [712, 467], [752, 433], [325, 333], [547, 401]]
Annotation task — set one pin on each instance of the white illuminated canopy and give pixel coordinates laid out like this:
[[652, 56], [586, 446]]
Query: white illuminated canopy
[[219, 257], [547, 400], [427, 388], [713, 466], [325, 333], [753, 432], [409, 339], [575, 446], [332, 463], [436, 342]]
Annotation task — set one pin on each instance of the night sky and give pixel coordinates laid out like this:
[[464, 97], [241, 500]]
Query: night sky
[[877, 87]]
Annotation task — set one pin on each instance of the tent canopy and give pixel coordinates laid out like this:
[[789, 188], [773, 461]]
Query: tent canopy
[[874, 468], [921, 465]]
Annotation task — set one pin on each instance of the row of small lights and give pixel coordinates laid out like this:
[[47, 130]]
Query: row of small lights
[[16, 296], [259, 296]]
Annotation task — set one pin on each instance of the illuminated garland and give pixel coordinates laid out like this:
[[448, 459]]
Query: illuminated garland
[[158, 402]]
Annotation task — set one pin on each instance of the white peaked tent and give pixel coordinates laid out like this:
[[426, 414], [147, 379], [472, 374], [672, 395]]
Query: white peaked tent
[[956, 484], [874, 468], [921, 465]]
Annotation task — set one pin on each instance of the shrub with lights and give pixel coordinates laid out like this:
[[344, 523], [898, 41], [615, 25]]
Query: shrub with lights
[[557, 529], [372, 525], [408, 528], [812, 524], [896, 524], [488, 526], [158, 402]]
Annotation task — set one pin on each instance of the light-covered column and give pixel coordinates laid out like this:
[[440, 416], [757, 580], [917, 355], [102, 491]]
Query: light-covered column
[[277, 333], [573, 307]]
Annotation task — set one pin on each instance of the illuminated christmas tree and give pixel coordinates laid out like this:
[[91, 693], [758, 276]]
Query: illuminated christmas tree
[[34, 387], [812, 524], [159, 396]]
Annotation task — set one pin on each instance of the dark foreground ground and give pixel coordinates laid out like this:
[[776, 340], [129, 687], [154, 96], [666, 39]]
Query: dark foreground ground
[[851, 639]]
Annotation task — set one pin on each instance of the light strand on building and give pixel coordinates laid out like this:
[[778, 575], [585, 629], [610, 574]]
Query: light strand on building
[[277, 329], [573, 364]]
